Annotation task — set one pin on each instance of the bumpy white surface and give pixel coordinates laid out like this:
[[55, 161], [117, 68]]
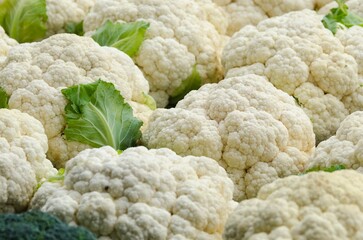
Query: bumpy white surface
[[182, 34], [141, 194], [33, 74], [301, 57], [23, 164], [255, 131], [316, 206]]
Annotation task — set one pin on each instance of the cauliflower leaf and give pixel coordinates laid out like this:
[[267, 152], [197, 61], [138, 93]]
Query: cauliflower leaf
[[4, 99], [24, 20], [126, 37], [340, 17], [193, 82], [98, 115], [75, 28], [326, 169]]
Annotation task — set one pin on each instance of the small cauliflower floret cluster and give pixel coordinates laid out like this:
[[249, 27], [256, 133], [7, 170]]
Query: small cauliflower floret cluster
[[23, 163], [61, 13], [141, 194], [181, 36], [241, 13], [301, 57], [345, 148], [255, 131], [5, 44], [315, 206], [34, 74]]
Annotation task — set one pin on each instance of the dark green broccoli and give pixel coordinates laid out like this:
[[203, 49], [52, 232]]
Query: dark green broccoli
[[36, 225]]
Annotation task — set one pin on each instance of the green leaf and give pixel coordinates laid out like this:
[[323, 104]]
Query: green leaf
[[193, 82], [24, 20], [59, 177], [4, 99], [75, 28], [340, 17], [326, 169], [149, 101], [126, 37], [98, 115]]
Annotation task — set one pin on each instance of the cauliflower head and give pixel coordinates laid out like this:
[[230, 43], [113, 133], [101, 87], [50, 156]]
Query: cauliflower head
[[316, 206], [255, 131], [179, 38], [141, 194], [241, 13], [61, 13], [345, 148], [23, 163], [33, 74], [5, 44], [304, 59]]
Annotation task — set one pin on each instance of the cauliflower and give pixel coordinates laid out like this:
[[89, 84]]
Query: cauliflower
[[5, 44], [345, 148], [241, 13], [355, 6], [33, 74], [141, 194], [304, 59], [255, 131], [315, 206], [61, 13], [23, 163], [179, 38]]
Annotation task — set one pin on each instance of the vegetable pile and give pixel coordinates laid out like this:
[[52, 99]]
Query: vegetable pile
[[188, 119]]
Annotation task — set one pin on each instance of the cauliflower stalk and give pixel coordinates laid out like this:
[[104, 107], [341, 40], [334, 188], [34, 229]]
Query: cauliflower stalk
[[23, 163], [316, 206], [34, 74], [141, 194], [255, 131]]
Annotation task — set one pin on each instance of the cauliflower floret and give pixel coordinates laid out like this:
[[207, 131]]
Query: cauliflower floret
[[61, 13], [345, 148], [313, 206], [23, 163], [5, 44], [34, 74], [180, 36], [141, 194], [301, 57], [247, 125]]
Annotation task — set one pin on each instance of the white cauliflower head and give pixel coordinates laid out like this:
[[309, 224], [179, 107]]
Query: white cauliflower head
[[141, 194], [5, 44], [33, 74], [61, 13], [23, 163], [345, 148], [180, 37], [316, 206], [301, 57], [255, 131]]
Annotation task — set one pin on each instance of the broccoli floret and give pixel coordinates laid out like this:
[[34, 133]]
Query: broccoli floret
[[36, 225]]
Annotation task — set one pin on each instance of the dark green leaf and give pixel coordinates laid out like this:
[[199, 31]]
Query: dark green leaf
[[4, 99], [76, 28], [193, 82]]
